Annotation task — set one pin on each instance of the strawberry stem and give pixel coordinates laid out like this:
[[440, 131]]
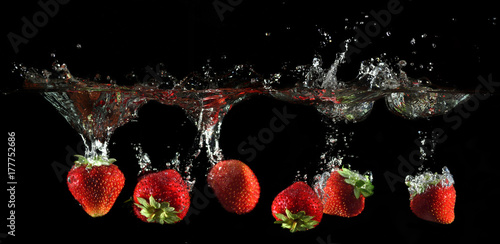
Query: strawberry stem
[[296, 222], [157, 212]]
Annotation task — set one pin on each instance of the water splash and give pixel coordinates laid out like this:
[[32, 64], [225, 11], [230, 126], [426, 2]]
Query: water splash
[[424, 102], [145, 165], [142, 159], [422, 181], [95, 114], [427, 142], [331, 81], [96, 107]]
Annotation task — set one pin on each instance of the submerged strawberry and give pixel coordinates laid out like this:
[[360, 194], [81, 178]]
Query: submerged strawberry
[[161, 197], [297, 208], [235, 185], [345, 192], [432, 196], [95, 184]]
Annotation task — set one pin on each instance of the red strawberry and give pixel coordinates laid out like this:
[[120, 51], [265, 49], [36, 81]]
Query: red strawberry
[[235, 185], [432, 196], [95, 184], [161, 197], [297, 208], [345, 192]]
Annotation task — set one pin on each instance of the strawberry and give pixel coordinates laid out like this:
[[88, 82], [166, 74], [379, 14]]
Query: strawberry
[[345, 191], [235, 185], [432, 196], [297, 208], [95, 184], [161, 197]]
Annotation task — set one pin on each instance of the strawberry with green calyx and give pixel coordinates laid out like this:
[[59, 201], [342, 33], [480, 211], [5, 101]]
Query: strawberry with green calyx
[[95, 183], [345, 191], [161, 197], [432, 196], [235, 185], [297, 208]]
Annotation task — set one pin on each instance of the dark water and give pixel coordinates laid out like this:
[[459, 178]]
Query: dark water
[[449, 44]]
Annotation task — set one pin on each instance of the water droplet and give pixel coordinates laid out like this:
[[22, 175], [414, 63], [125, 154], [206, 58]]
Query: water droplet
[[424, 35], [317, 61], [388, 33], [412, 41], [268, 33]]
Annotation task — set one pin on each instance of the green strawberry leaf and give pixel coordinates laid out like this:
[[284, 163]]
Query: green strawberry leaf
[[359, 183], [281, 216], [154, 203], [156, 212], [91, 162], [296, 222], [362, 183], [143, 203], [345, 173], [357, 192]]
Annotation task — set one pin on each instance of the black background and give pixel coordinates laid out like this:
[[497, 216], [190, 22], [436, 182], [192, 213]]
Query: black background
[[117, 38]]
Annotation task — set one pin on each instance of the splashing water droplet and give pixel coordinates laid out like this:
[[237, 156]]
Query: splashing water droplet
[[493, 20], [315, 86], [422, 181], [422, 104], [143, 158]]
